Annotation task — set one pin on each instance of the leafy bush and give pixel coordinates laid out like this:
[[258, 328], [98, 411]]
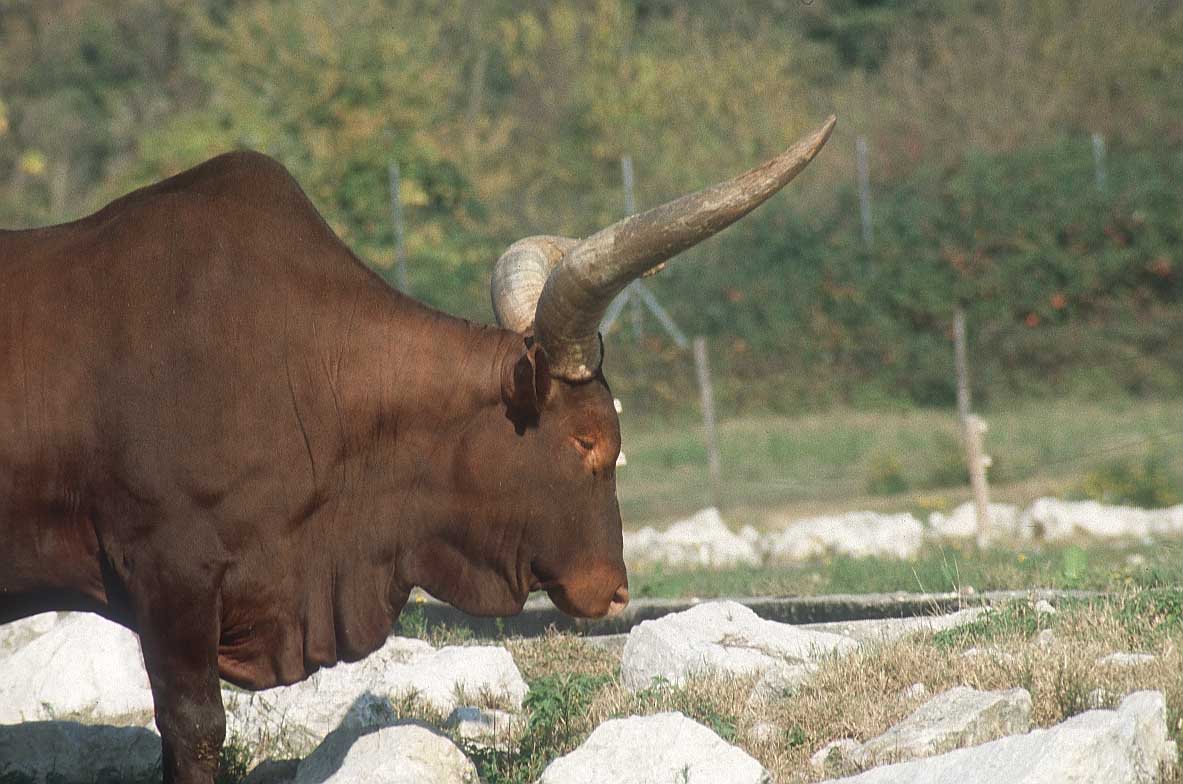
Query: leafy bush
[[1150, 484], [557, 706], [949, 468], [1064, 286], [886, 476]]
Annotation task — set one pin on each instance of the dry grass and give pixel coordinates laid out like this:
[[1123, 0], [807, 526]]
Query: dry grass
[[860, 696], [575, 686], [561, 654]]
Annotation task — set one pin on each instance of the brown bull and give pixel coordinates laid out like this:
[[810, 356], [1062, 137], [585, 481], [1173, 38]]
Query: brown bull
[[218, 428]]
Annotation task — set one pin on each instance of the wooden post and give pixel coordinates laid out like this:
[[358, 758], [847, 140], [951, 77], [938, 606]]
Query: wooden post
[[702, 366], [972, 430], [396, 214]]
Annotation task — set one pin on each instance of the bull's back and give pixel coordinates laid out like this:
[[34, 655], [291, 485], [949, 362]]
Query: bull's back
[[148, 349]]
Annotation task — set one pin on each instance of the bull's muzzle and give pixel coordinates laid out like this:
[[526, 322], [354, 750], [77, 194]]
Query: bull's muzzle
[[619, 601]]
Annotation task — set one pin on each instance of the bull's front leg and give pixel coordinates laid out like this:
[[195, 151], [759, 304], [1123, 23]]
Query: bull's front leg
[[174, 589]]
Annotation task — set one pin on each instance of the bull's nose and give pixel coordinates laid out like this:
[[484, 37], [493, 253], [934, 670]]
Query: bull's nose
[[619, 601]]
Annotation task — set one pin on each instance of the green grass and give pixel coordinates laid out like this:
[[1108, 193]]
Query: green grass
[[833, 461], [949, 567]]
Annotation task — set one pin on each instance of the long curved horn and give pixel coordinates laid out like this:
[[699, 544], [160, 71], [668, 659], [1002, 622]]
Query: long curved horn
[[594, 271], [520, 274]]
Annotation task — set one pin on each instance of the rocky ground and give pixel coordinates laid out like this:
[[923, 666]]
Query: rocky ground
[[1022, 693]]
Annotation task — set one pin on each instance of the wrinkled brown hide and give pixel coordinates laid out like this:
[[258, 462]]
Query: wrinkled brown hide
[[220, 429]]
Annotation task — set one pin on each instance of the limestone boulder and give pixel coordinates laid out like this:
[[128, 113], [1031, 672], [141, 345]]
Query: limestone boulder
[[83, 668], [67, 752], [486, 727], [954, 719], [666, 747], [1128, 745], [16, 634], [888, 629], [962, 522], [405, 753], [858, 534], [1125, 659], [702, 540], [358, 695], [723, 637], [1051, 519]]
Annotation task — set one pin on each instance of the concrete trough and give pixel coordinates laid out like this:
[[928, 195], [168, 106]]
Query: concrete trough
[[540, 614]]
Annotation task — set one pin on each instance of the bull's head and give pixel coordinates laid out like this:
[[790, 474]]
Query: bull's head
[[554, 291]]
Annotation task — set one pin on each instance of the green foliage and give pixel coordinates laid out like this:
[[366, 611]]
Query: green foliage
[[1013, 619], [412, 622], [947, 468], [946, 568], [554, 702], [1150, 484], [1152, 614], [509, 119], [556, 705], [886, 476], [234, 763]]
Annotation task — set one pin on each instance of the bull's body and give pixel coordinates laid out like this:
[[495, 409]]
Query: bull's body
[[218, 428], [202, 369]]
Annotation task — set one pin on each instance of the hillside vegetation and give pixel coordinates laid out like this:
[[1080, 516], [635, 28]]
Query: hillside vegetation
[[510, 118]]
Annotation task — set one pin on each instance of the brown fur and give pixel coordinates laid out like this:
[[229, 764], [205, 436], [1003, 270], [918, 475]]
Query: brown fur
[[218, 428]]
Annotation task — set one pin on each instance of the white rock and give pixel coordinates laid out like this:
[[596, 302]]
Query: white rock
[[1052, 519], [764, 731], [16, 634], [723, 637], [1100, 697], [1123, 659], [702, 540], [859, 534], [989, 653], [962, 522], [84, 668], [914, 692], [836, 757], [1128, 745], [65, 751], [401, 754], [273, 771], [667, 747], [888, 629], [357, 694], [486, 727], [953, 719], [1044, 607]]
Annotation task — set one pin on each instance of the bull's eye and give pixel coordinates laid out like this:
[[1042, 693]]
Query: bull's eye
[[585, 443]]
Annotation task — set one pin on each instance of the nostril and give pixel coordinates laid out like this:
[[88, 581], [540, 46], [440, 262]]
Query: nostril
[[619, 600]]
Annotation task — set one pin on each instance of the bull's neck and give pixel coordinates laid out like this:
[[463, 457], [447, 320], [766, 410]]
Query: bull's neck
[[423, 386]]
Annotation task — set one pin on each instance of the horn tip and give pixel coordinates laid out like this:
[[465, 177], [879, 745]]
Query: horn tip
[[819, 137]]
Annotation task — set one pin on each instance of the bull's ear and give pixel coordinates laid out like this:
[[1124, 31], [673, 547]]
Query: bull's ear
[[526, 385]]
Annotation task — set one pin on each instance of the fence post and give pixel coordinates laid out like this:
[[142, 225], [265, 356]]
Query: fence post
[[702, 366], [1099, 160], [864, 189], [636, 312], [972, 430], [396, 215]]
